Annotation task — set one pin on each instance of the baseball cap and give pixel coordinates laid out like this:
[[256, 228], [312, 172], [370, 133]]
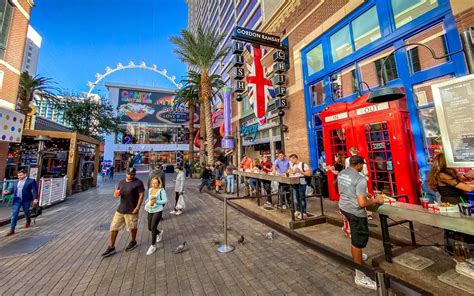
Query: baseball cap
[[131, 171]]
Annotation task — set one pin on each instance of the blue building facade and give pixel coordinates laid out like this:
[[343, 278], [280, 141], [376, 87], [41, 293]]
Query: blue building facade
[[343, 62]]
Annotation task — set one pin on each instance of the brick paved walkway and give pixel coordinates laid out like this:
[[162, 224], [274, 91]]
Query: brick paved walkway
[[71, 263]]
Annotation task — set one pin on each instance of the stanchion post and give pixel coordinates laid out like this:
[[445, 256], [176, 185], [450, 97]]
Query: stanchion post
[[225, 248], [381, 287]]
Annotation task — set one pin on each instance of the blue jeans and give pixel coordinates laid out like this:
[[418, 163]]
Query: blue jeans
[[229, 181], [299, 193], [205, 182], [16, 211], [252, 183]]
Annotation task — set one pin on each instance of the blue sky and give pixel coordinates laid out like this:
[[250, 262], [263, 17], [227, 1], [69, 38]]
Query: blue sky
[[82, 37]]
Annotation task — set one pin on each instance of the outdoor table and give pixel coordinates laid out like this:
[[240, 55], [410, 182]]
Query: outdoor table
[[270, 177], [454, 221]]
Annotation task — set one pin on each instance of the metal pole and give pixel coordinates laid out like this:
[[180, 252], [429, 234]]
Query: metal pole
[[381, 288], [282, 135], [225, 248], [468, 47]]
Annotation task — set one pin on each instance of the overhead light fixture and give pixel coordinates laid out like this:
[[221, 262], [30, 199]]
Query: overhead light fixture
[[387, 94]]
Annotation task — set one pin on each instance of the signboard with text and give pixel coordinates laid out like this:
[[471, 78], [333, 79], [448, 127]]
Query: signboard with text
[[152, 107], [454, 102]]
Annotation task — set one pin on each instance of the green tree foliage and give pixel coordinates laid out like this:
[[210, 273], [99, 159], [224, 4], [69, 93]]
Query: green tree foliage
[[90, 117], [200, 50], [30, 86]]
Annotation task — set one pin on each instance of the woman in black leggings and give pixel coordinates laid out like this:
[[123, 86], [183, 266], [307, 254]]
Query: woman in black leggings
[[154, 206]]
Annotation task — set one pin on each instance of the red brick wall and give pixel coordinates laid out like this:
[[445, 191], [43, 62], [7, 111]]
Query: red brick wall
[[13, 56]]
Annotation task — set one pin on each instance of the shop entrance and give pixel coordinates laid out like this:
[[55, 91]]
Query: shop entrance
[[381, 134]]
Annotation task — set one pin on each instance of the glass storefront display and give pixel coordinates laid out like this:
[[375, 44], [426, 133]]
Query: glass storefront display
[[149, 133], [341, 44], [318, 94], [405, 11], [315, 60], [419, 57], [366, 28], [370, 69]]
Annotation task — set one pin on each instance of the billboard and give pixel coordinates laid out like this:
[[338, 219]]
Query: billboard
[[152, 107]]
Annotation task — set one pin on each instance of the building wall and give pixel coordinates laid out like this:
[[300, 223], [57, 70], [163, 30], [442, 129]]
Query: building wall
[[32, 51], [10, 65]]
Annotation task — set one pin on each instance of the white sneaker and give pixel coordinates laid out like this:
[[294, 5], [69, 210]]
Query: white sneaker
[[283, 207], [173, 212], [268, 204], [465, 268], [151, 250], [364, 257], [362, 280], [179, 213], [160, 236], [298, 215]]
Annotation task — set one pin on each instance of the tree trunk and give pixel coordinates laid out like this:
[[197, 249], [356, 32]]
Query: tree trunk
[[191, 132], [202, 136], [206, 93]]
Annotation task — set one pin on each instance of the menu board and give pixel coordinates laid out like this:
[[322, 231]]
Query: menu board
[[454, 102]]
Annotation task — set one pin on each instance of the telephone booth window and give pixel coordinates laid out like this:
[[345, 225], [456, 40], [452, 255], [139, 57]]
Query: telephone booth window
[[381, 170], [338, 141]]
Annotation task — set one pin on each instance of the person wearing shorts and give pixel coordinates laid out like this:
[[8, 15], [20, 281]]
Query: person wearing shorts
[[352, 203], [130, 191]]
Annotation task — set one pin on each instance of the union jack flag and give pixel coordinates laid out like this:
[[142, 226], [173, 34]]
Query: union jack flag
[[260, 88]]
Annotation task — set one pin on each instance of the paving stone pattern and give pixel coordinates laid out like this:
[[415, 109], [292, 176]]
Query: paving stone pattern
[[71, 263]]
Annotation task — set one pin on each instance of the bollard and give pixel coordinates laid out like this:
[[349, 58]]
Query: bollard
[[225, 248]]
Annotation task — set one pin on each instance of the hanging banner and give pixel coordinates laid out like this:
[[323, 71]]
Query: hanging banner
[[454, 102], [260, 89]]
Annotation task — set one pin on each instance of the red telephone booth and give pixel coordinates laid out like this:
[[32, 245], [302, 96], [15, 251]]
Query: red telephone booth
[[381, 132]]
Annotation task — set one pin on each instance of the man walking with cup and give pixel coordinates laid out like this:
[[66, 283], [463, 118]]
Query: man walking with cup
[[130, 191]]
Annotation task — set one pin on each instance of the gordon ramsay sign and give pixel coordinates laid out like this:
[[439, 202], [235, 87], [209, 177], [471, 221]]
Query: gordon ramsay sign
[[256, 37], [152, 107]]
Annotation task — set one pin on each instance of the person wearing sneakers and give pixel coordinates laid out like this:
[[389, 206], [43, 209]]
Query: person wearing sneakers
[[352, 203], [301, 170], [24, 192], [154, 207], [179, 190], [130, 191]]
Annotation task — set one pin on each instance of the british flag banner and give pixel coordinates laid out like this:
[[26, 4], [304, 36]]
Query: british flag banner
[[260, 89]]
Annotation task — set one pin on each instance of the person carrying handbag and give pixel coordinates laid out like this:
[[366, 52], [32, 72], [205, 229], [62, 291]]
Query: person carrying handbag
[[179, 192], [154, 207]]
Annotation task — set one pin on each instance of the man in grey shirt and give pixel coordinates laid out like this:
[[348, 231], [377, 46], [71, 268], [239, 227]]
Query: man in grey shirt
[[353, 201]]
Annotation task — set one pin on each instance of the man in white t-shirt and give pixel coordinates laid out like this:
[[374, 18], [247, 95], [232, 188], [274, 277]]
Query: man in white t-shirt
[[354, 151], [299, 169]]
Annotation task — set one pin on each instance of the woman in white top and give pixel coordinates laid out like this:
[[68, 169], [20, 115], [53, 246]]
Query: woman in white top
[[154, 206], [179, 190]]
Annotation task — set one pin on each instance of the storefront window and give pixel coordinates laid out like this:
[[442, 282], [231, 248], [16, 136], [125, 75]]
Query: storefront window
[[315, 60], [5, 20], [420, 57], [405, 11], [370, 68], [341, 44], [427, 114], [366, 28], [246, 105], [345, 84], [317, 93]]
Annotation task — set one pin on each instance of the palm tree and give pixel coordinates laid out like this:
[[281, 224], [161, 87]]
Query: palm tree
[[30, 86], [189, 95], [200, 50]]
